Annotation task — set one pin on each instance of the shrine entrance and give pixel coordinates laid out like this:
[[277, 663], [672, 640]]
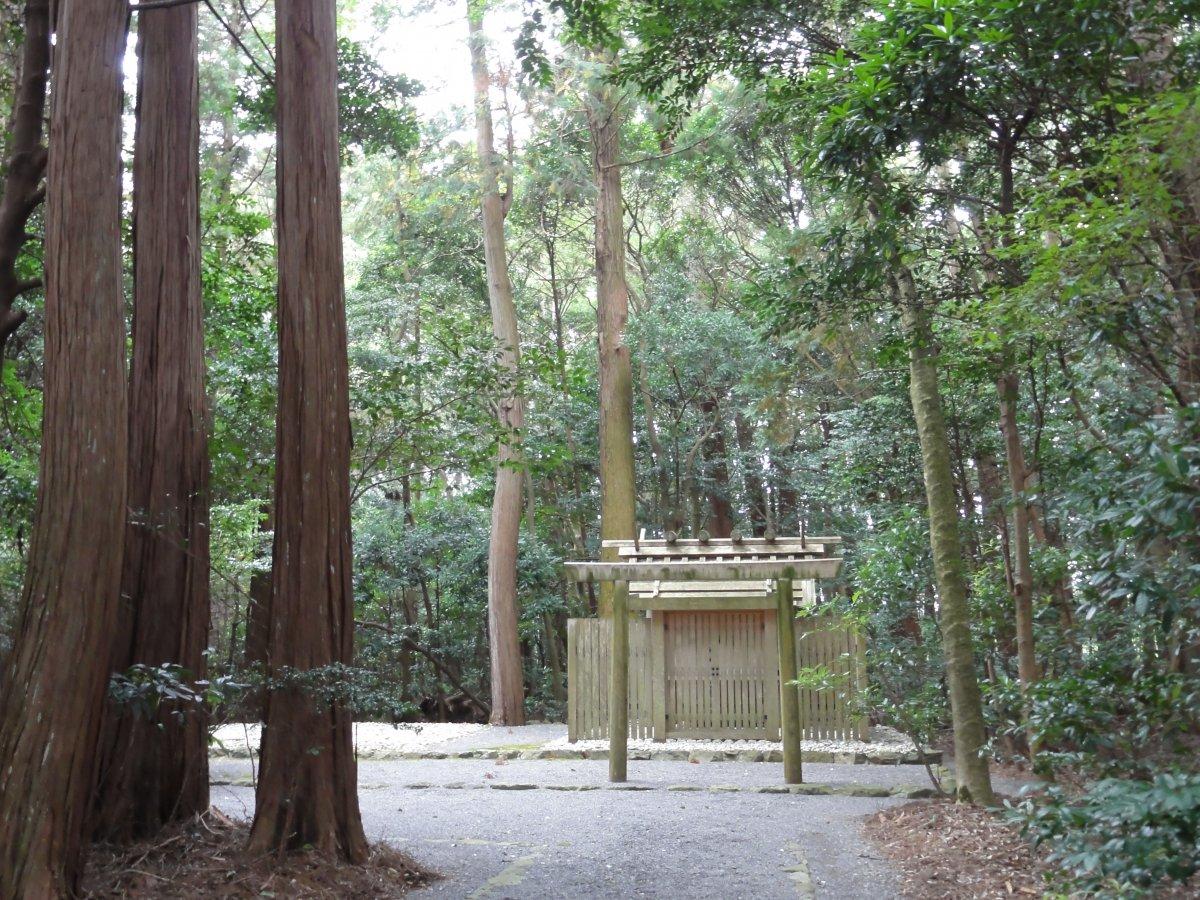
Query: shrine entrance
[[697, 659], [721, 674]]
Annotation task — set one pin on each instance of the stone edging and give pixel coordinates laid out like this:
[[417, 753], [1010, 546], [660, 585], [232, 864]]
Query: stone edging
[[851, 789], [666, 755]]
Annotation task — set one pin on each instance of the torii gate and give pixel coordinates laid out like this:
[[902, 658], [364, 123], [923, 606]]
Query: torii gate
[[778, 561]]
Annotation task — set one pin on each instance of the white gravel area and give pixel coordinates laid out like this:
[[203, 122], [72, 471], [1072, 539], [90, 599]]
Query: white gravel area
[[378, 740], [883, 740], [371, 739]]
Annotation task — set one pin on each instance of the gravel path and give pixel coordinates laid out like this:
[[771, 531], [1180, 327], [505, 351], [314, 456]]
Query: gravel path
[[650, 775], [605, 843]]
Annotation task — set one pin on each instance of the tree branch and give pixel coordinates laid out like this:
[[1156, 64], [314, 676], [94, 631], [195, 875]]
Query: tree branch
[[437, 663]]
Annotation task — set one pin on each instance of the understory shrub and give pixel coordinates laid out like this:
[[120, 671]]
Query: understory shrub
[[1121, 837]]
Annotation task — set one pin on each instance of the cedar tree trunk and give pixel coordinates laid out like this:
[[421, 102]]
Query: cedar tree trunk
[[57, 675], [508, 689], [155, 769], [618, 505], [26, 163], [307, 788]]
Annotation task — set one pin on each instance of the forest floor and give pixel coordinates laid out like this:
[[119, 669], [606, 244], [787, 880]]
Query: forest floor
[[948, 851], [557, 828], [204, 857]]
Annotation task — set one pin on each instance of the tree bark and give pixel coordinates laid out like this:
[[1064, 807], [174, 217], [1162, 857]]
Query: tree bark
[[1022, 582], [57, 674], [966, 705], [155, 769], [618, 503], [307, 788], [26, 163], [508, 704]]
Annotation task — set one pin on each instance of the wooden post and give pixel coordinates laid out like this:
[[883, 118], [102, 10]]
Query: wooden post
[[789, 694], [860, 683], [658, 673], [618, 684], [573, 694]]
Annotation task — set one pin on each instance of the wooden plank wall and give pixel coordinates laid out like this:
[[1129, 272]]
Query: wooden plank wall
[[721, 672], [588, 663], [823, 641], [719, 675]]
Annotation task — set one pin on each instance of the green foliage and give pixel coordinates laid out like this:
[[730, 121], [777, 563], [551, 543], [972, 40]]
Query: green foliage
[[150, 691], [1030, 165], [1121, 837], [372, 105], [893, 572]]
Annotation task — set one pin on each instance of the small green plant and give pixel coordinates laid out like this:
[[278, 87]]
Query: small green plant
[[146, 689], [1121, 837]]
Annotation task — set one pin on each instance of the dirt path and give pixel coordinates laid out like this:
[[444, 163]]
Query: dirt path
[[527, 829]]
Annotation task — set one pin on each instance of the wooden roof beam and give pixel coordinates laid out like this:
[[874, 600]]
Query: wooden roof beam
[[703, 570]]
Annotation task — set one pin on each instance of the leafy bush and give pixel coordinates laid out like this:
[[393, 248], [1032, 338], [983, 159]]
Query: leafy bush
[[1121, 837], [146, 689]]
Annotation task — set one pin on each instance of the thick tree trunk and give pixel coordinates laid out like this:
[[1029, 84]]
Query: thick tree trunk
[[618, 504], [155, 769], [26, 163], [954, 615], [57, 673], [508, 704], [307, 788]]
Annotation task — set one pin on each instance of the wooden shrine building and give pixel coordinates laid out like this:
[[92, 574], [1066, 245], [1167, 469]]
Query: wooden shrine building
[[696, 628]]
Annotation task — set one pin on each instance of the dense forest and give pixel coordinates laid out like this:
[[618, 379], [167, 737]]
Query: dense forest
[[923, 274]]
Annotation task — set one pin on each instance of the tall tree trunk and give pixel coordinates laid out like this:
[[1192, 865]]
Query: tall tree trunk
[[155, 769], [618, 504], [57, 674], [966, 705], [506, 670], [26, 163], [307, 787], [1008, 391], [1022, 585]]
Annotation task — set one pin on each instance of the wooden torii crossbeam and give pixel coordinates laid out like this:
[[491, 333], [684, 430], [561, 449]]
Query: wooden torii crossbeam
[[778, 562]]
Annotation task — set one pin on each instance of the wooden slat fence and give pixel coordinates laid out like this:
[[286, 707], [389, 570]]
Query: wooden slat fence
[[588, 662], [709, 675], [720, 676]]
